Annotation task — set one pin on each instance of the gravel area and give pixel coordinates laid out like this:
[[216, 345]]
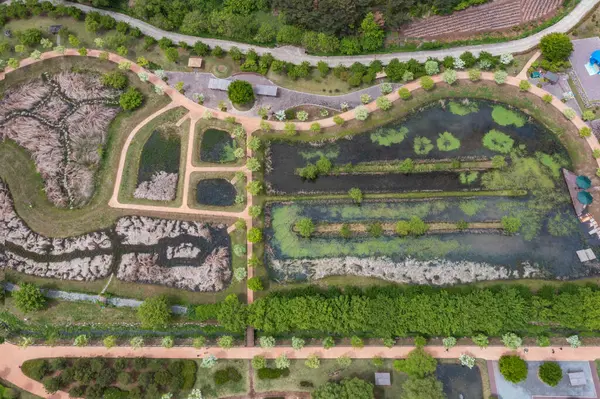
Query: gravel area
[[197, 82]]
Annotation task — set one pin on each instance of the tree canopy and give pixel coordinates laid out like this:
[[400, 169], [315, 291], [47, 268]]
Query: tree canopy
[[155, 312], [556, 47], [354, 388], [240, 92]]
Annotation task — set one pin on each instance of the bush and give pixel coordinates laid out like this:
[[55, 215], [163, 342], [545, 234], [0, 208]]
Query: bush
[[556, 47], [328, 342], [35, 369], [226, 375], [361, 113], [585, 132], [417, 364], [500, 77], [109, 341], [383, 103], [155, 312], [512, 341], [272, 374], [524, 85], [404, 93], [255, 235], [297, 343], [259, 362], [569, 113], [449, 76], [338, 120], [51, 384], [547, 98], [255, 284], [344, 361], [266, 342], [431, 67], [480, 340], [588, 115], [282, 362], [114, 79], [427, 83], [81, 340], [513, 368], [131, 99], [240, 92], [313, 362], [357, 342], [511, 225], [550, 373], [356, 195], [29, 298], [474, 75]]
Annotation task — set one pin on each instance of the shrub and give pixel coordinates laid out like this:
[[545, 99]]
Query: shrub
[[422, 145], [357, 342], [167, 342], [345, 231], [255, 235], [550, 373], [356, 195], [136, 342], [272, 373], [305, 227], [404, 93], [297, 343], [266, 342], [255, 284], [383, 103], [240, 92], [588, 115], [543, 341], [81, 340], [417, 227], [474, 75], [524, 85], [259, 362], [35, 369], [226, 375], [323, 165], [500, 77], [29, 298], [388, 342], [466, 360], [313, 362], [431, 67], [480, 340], [406, 166], [420, 341], [450, 76], [569, 113], [512, 341], [328, 342], [574, 341], [547, 98], [338, 120], [377, 361], [513, 368], [290, 128], [511, 225], [344, 361], [208, 362], [51, 384], [556, 47], [282, 362], [585, 132], [131, 99], [375, 229], [315, 127], [109, 341], [361, 113], [199, 342], [427, 83], [365, 98], [498, 162], [155, 312], [254, 187], [386, 88], [449, 342]]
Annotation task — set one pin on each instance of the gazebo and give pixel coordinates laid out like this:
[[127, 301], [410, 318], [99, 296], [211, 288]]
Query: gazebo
[[195, 63]]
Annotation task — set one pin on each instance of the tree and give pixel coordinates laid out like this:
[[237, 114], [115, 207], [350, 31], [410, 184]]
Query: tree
[[511, 225], [323, 165], [240, 92], [115, 79], [556, 47], [131, 99], [155, 312], [30, 37], [172, 54], [422, 388], [323, 68], [417, 364], [255, 235], [372, 34], [305, 227], [513, 368], [550, 373], [255, 284], [356, 195], [29, 298]]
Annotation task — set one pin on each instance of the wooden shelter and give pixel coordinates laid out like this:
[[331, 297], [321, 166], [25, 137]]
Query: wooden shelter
[[195, 63]]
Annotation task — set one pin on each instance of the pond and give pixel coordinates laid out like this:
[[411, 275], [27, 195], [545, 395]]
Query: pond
[[460, 381], [217, 146], [463, 129], [161, 152], [215, 192]]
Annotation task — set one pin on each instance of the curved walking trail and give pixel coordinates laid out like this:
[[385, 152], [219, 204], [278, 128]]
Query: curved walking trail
[[297, 55], [13, 356]]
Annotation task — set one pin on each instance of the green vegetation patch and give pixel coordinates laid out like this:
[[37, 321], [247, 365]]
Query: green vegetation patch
[[463, 109], [471, 207], [447, 142], [331, 153], [387, 137], [553, 162], [497, 141], [506, 117], [422, 145]]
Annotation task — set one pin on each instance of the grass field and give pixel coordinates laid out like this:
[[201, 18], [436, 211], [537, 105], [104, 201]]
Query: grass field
[[205, 382], [330, 370], [134, 153], [26, 186]]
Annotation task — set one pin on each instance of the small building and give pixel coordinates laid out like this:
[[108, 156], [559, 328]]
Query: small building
[[54, 29], [380, 75], [266, 90], [577, 378], [551, 77], [195, 63], [383, 379]]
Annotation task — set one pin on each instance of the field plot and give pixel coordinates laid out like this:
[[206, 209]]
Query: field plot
[[503, 210]]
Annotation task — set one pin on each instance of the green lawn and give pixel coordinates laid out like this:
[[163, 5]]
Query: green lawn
[[330, 370], [205, 381], [22, 393], [129, 180], [26, 186]]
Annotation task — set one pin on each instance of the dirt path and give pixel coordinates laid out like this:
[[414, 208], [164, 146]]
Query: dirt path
[[13, 356]]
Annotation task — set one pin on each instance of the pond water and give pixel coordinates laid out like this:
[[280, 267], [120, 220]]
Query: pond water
[[217, 192], [217, 146], [459, 381], [161, 152], [397, 141]]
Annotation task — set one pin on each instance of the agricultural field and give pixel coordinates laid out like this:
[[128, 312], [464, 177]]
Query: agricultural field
[[458, 191]]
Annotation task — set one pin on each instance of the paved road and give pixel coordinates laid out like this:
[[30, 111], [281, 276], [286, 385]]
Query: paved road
[[296, 55], [13, 356]]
